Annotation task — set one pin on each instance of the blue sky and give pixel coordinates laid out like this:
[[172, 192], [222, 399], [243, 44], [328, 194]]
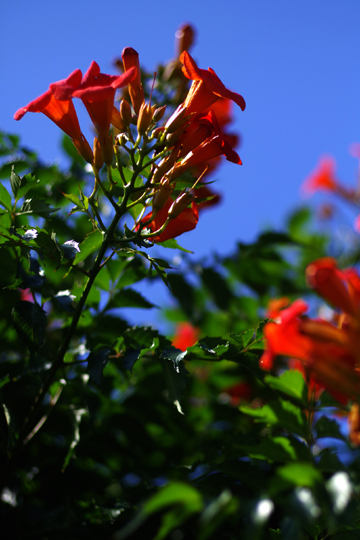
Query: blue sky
[[296, 64]]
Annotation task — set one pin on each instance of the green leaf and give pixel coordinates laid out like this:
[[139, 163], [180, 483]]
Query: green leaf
[[15, 182], [295, 474], [130, 271], [5, 221], [278, 449], [184, 499], [172, 244], [130, 357], [30, 322], [91, 243], [37, 207], [175, 355], [290, 382], [328, 428], [97, 361], [5, 198], [297, 222], [74, 199], [46, 241], [162, 274], [129, 298], [275, 534], [183, 292], [175, 493], [244, 338], [27, 182], [280, 413], [217, 287], [175, 376]]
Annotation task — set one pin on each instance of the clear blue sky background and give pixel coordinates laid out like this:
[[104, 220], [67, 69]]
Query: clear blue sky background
[[295, 62]]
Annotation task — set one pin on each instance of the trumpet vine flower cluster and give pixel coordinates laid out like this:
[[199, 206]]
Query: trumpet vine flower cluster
[[186, 145], [329, 351]]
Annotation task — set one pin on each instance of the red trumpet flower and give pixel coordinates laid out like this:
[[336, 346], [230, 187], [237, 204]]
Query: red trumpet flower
[[62, 113], [186, 335], [206, 88], [184, 222], [97, 92], [330, 352]]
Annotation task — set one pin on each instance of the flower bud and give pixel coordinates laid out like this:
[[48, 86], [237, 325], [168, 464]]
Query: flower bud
[[107, 150], [159, 113], [162, 194], [131, 59], [184, 38], [98, 157], [83, 147], [164, 166], [172, 138], [116, 120], [176, 120], [157, 132], [125, 112], [179, 205], [145, 117]]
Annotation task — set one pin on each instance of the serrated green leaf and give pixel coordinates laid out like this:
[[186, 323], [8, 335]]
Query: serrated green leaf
[[37, 207], [278, 449], [5, 198], [172, 244], [290, 382], [97, 361], [130, 357], [140, 336], [129, 298], [47, 242], [15, 182], [244, 338], [27, 182], [280, 413], [74, 199], [162, 263], [175, 355], [30, 322], [91, 243]]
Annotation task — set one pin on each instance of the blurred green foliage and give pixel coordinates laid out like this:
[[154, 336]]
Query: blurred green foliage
[[134, 438]]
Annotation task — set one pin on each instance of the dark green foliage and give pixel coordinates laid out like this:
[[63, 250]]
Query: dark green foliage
[[127, 436]]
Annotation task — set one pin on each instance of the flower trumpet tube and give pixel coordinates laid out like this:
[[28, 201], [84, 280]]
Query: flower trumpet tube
[[62, 113], [202, 154], [131, 60], [328, 281]]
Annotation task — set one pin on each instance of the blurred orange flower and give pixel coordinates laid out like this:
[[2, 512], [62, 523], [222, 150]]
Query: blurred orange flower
[[329, 351], [185, 336]]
